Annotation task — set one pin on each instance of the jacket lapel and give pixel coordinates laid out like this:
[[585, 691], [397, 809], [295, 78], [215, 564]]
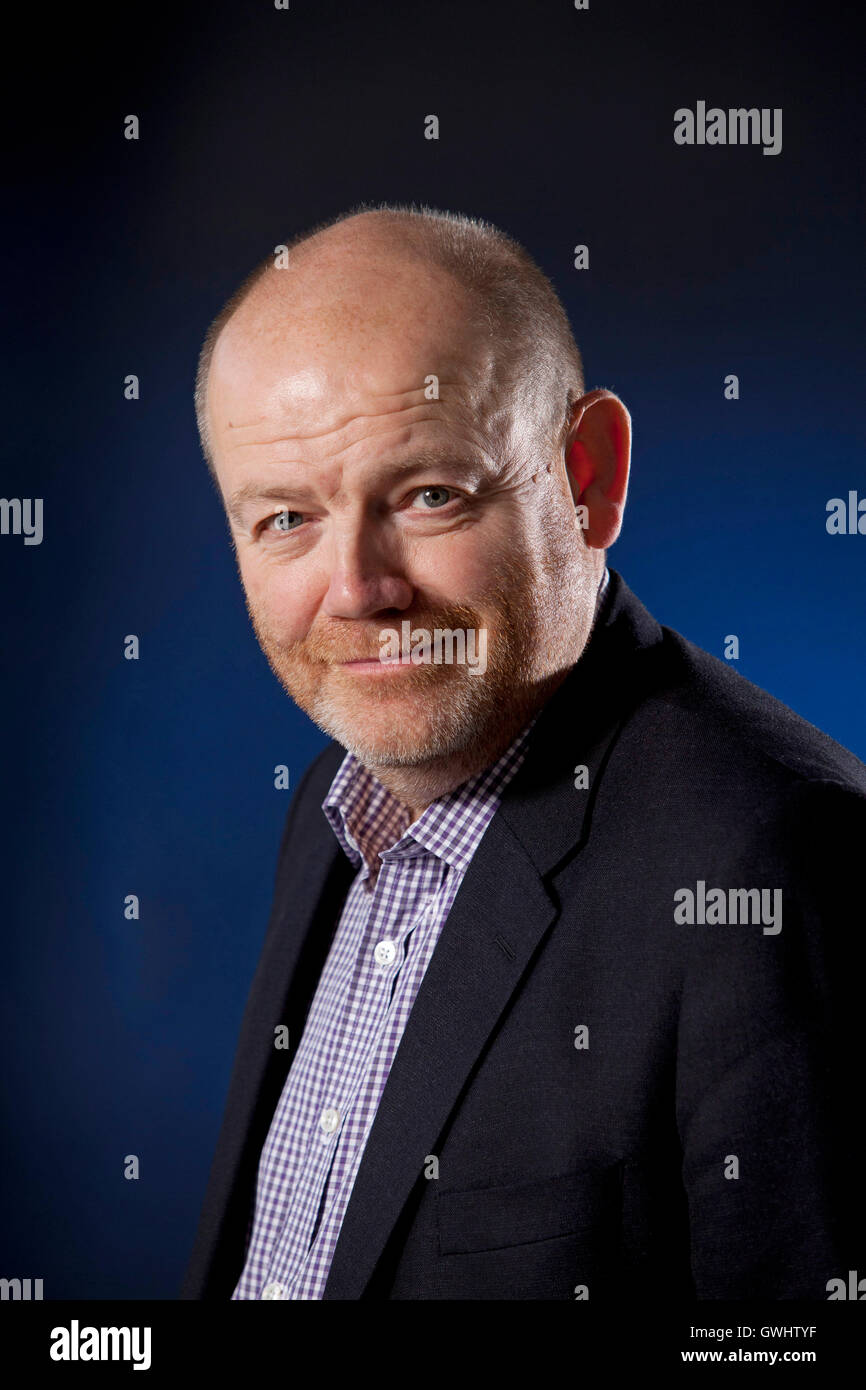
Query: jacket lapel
[[479, 958], [495, 924]]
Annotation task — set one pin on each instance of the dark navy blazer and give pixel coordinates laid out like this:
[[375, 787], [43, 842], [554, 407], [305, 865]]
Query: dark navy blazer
[[619, 1103]]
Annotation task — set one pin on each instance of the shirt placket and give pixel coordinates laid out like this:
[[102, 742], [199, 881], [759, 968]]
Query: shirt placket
[[385, 967], [292, 1256]]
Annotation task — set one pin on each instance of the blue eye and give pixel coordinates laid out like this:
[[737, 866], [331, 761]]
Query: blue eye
[[440, 496], [281, 520]]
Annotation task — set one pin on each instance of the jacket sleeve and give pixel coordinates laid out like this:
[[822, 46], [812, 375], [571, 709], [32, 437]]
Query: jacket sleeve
[[769, 1070]]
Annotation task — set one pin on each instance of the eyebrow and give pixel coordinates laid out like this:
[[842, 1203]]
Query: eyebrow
[[470, 464]]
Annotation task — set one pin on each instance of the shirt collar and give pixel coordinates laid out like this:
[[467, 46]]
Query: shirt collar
[[372, 826]]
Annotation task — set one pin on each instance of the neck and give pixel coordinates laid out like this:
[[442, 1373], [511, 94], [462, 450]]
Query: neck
[[419, 785]]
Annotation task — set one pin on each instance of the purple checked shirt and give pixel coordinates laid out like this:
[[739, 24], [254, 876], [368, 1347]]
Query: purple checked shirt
[[407, 878]]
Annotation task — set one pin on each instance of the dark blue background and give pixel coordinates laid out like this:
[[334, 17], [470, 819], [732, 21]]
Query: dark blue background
[[156, 777]]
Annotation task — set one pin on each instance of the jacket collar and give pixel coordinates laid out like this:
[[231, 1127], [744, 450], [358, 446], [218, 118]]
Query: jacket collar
[[545, 806]]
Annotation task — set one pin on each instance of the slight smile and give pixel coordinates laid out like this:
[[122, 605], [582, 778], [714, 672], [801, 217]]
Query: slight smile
[[369, 665]]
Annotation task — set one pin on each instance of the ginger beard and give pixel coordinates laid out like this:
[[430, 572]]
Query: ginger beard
[[423, 712]]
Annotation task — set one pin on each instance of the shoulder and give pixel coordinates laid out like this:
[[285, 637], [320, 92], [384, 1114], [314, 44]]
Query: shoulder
[[712, 725]]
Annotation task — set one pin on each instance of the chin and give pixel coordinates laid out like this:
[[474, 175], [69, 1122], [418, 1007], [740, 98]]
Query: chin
[[386, 741], [380, 748], [425, 721]]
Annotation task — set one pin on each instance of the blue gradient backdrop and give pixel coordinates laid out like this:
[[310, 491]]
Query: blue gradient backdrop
[[156, 777]]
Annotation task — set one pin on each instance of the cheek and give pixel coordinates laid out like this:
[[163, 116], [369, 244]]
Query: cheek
[[282, 598], [459, 570]]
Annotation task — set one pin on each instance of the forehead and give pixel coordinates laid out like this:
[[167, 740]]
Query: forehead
[[346, 332]]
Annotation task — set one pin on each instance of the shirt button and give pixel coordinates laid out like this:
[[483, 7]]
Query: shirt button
[[329, 1120], [385, 953], [274, 1291]]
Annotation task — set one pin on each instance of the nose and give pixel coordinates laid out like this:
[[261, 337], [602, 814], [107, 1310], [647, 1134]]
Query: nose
[[367, 573]]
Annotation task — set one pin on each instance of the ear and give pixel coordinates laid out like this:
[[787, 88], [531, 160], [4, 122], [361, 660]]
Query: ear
[[597, 456]]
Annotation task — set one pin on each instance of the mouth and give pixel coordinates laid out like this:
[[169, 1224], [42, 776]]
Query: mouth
[[368, 664]]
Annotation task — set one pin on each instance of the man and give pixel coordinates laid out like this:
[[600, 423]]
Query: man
[[563, 942]]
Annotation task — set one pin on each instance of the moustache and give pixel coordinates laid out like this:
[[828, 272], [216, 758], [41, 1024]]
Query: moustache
[[330, 648]]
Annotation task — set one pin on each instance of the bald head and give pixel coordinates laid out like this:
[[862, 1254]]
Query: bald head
[[347, 280], [395, 417]]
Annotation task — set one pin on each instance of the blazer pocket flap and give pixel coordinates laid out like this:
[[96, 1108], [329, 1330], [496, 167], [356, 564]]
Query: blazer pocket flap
[[490, 1218]]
